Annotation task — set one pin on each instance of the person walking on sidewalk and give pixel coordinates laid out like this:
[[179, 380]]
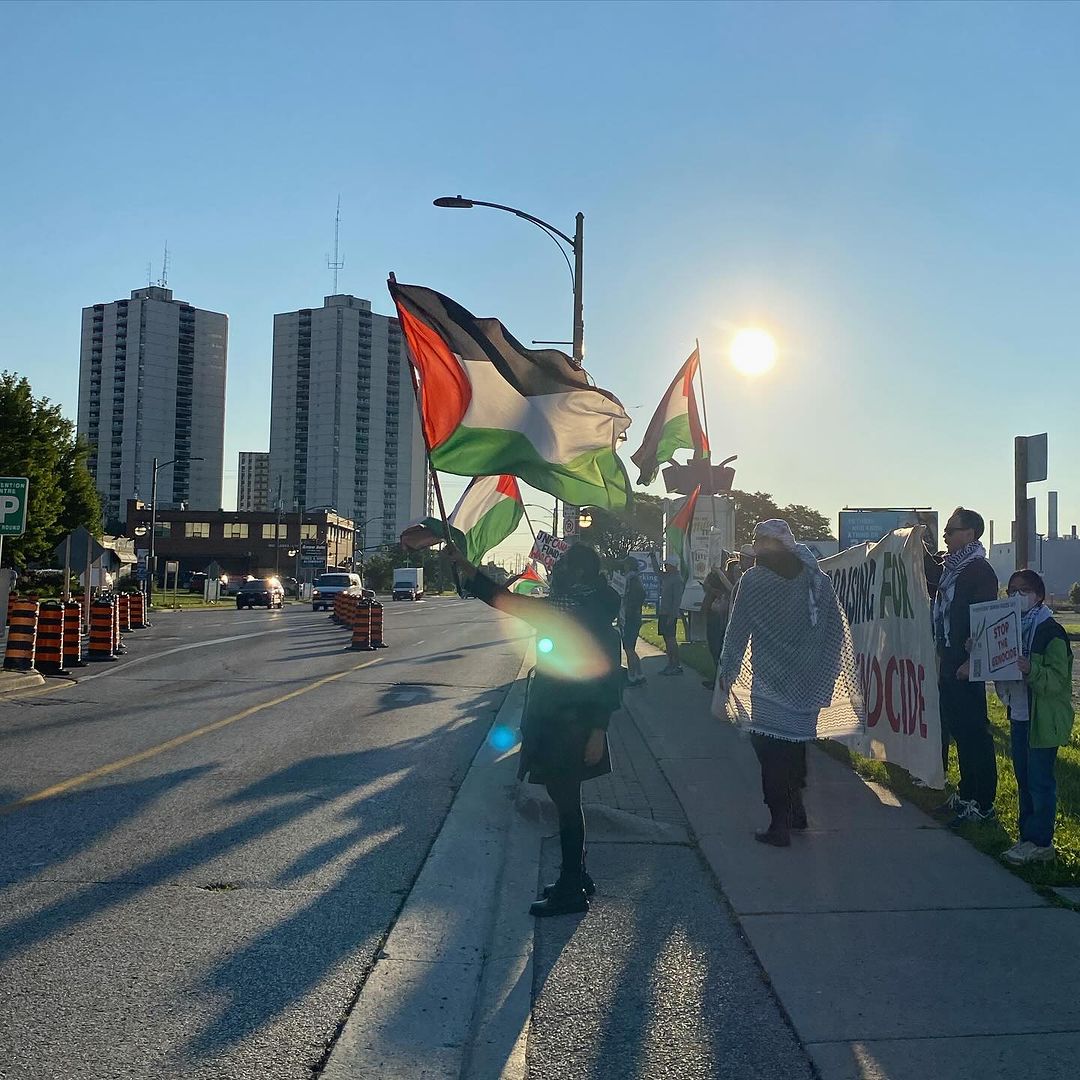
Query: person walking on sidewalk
[[966, 578], [787, 670], [630, 619], [572, 693], [667, 614], [1041, 718]]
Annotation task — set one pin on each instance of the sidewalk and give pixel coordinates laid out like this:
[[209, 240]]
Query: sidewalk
[[898, 951]]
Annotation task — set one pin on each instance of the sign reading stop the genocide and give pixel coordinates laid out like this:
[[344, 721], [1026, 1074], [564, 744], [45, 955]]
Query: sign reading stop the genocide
[[14, 492]]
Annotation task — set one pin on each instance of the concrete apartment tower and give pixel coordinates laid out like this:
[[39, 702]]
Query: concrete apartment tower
[[152, 384], [344, 432], [253, 486]]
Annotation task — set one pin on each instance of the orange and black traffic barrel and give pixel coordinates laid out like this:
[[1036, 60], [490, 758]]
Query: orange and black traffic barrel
[[22, 634], [138, 611], [73, 650], [118, 646], [361, 627], [377, 641], [49, 650], [123, 610], [101, 630]]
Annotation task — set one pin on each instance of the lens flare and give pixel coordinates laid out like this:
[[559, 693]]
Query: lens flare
[[753, 352], [545, 645]]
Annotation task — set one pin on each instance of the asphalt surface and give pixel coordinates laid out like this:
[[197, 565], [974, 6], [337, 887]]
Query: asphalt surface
[[211, 871]]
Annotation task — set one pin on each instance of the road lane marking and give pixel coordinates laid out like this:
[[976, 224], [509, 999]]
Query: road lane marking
[[180, 648], [171, 744]]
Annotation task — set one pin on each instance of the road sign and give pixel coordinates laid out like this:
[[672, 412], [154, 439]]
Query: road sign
[[14, 497], [312, 555], [84, 548]]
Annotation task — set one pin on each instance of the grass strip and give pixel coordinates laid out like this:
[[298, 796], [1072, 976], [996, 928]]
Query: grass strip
[[990, 839]]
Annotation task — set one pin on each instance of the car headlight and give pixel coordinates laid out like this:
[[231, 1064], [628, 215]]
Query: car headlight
[[315, 592]]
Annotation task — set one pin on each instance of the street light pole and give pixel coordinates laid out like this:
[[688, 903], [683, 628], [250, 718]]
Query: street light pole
[[579, 315], [151, 556]]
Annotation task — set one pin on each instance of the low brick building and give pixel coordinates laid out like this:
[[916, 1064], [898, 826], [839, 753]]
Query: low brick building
[[242, 542]]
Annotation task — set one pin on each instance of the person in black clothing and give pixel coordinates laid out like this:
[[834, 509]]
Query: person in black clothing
[[572, 693], [630, 619], [966, 578]]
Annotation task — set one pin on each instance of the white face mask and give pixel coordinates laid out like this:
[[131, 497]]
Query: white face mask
[[1027, 602]]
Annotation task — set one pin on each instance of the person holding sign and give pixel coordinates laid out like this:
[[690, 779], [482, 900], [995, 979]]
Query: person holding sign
[[1040, 717], [966, 578]]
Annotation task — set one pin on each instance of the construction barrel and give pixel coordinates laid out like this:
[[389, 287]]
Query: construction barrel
[[101, 630], [361, 629], [123, 608], [49, 650], [22, 634], [138, 611], [377, 641], [73, 650]]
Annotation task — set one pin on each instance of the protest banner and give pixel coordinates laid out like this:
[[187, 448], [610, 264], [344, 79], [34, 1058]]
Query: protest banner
[[548, 549], [995, 641], [882, 588]]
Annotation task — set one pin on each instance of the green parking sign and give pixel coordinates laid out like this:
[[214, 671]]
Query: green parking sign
[[14, 491]]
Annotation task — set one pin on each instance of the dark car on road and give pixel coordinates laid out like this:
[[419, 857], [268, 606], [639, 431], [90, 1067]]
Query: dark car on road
[[261, 592]]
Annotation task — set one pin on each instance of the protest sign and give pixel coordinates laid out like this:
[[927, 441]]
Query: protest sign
[[548, 549], [649, 568], [995, 641], [882, 588]]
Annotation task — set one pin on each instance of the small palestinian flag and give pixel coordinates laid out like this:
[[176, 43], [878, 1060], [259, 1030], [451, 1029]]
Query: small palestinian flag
[[489, 405], [486, 514], [677, 535], [528, 582], [675, 425]]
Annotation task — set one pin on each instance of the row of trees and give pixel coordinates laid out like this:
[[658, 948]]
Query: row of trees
[[38, 442], [641, 529]]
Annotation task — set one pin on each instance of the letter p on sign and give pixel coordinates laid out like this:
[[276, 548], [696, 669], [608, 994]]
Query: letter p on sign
[[13, 500]]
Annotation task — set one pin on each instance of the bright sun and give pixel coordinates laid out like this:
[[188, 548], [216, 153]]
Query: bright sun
[[753, 352]]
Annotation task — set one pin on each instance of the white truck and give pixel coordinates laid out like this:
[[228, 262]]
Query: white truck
[[408, 583]]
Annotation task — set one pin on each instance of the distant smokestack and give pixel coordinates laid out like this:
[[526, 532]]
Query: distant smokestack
[[1074, 532], [1051, 515], [991, 532]]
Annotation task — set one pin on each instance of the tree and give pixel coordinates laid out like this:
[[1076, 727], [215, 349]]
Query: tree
[[38, 442], [615, 535], [806, 523], [1074, 594]]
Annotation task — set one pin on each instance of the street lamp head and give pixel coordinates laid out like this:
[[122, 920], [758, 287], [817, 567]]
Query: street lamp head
[[455, 202]]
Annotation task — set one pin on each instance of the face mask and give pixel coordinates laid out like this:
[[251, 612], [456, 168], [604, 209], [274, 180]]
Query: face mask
[[1027, 602]]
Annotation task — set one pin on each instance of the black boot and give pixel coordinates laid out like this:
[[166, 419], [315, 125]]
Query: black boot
[[587, 884], [778, 834], [567, 897]]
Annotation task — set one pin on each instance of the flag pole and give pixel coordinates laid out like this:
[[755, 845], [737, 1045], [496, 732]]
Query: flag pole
[[528, 521], [705, 424]]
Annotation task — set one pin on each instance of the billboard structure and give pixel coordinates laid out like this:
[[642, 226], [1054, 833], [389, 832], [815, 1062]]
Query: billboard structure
[[711, 533], [868, 526]]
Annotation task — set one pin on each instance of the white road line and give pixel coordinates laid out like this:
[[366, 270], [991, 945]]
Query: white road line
[[128, 664]]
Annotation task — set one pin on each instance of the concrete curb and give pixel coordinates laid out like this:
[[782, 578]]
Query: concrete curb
[[450, 994], [12, 681]]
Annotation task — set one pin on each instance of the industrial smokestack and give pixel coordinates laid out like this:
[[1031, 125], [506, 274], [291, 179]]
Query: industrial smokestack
[[1051, 516]]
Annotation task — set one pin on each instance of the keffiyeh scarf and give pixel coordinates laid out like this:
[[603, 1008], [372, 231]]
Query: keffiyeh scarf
[[954, 566]]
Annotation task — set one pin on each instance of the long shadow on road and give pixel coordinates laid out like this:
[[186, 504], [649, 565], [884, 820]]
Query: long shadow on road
[[392, 800]]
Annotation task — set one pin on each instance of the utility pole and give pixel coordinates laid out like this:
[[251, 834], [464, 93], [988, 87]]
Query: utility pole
[[579, 316], [277, 533]]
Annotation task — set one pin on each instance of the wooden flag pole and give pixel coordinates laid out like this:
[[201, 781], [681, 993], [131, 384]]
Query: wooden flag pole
[[705, 425]]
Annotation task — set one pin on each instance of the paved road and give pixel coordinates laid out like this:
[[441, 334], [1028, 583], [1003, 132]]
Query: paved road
[[210, 907]]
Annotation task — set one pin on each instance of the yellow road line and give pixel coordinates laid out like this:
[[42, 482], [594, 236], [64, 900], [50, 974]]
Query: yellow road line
[[171, 744]]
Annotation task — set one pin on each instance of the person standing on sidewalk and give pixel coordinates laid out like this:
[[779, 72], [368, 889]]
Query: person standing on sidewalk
[[966, 578], [716, 605], [1040, 718], [572, 693], [630, 619], [787, 670], [667, 614]]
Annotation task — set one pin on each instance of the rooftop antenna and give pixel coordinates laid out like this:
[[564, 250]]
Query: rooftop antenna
[[336, 264], [149, 274], [164, 280]]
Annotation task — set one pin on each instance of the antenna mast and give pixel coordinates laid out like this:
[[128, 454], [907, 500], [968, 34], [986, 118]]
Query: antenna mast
[[336, 264], [164, 280]]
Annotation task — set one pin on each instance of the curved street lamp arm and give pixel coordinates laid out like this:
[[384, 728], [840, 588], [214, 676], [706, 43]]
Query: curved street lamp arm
[[528, 217]]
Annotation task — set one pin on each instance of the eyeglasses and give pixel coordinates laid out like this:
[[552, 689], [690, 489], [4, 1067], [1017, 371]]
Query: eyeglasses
[[1018, 592]]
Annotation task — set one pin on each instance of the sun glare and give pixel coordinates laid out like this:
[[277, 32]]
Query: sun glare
[[753, 352]]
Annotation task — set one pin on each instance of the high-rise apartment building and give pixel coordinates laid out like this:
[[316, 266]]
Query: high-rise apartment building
[[253, 487], [152, 385], [344, 432]]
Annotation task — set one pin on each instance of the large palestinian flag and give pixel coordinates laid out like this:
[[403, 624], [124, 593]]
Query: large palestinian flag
[[675, 425], [677, 535], [486, 514], [489, 405]]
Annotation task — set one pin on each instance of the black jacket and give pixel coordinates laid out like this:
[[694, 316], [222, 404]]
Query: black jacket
[[976, 584]]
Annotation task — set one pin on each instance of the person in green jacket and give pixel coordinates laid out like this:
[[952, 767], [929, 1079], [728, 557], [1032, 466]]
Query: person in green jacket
[[1040, 718]]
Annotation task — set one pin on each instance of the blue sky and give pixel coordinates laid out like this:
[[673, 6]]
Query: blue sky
[[888, 188]]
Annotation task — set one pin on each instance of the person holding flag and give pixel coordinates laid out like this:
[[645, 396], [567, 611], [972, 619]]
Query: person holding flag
[[573, 690]]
